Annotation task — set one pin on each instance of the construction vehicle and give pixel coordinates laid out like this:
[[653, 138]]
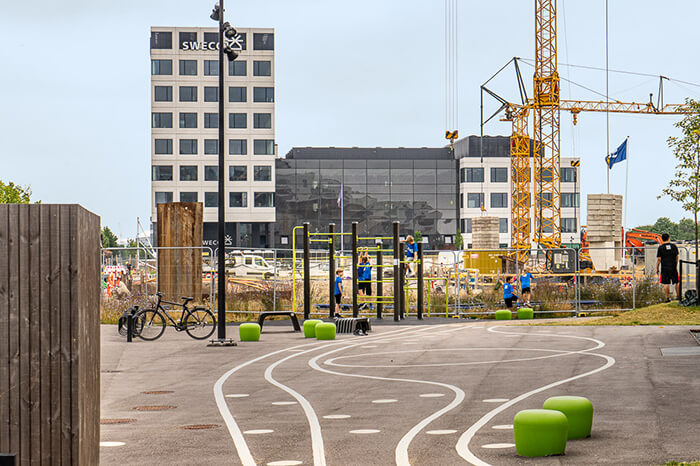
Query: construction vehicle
[[637, 239]]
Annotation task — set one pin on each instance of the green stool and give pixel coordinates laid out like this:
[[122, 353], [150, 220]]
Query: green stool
[[310, 328], [578, 411], [325, 331], [249, 332], [504, 314], [525, 313], [540, 432]]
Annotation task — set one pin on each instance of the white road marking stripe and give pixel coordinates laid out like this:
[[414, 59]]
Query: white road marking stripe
[[365, 431], [431, 395], [112, 444], [258, 431], [498, 445], [495, 400], [503, 427], [441, 432], [337, 416]]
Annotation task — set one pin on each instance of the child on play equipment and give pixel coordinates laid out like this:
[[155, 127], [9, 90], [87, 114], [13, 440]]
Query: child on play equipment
[[525, 285], [364, 277], [411, 253], [508, 295], [338, 291]]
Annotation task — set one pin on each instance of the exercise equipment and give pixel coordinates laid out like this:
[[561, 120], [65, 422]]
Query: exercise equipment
[[504, 314], [249, 332], [325, 331], [525, 313], [292, 316], [310, 328], [540, 432], [578, 411]]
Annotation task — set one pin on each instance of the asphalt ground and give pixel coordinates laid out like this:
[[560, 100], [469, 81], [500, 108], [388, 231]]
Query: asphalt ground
[[438, 394]]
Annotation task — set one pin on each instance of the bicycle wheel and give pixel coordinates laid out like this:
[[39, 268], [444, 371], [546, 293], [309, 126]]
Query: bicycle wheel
[[199, 323], [150, 324]]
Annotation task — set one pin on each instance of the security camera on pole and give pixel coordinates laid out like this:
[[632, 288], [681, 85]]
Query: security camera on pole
[[225, 32]]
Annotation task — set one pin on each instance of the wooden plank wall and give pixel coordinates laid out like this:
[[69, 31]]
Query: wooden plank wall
[[180, 271], [49, 334]]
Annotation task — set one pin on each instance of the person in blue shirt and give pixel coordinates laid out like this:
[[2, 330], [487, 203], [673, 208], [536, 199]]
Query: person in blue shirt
[[411, 255], [508, 295], [338, 291], [525, 285], [364, 277]]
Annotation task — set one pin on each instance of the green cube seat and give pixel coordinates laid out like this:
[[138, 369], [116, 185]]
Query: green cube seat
[[525, 313], [578, 411], [310, 328], [325, 331], [249, 332], [540, 432], [504, 314]]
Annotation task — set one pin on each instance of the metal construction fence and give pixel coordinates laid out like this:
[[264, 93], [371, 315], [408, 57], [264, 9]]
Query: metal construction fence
[[464, 283]]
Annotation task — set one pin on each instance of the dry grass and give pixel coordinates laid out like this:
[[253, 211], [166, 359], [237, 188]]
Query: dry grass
[[658, 314]]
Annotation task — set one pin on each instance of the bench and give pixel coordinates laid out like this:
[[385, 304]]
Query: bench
[[351, 324], [290, 314]]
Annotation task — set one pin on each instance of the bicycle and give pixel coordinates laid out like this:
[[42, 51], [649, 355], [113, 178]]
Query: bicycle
[[199, 323]]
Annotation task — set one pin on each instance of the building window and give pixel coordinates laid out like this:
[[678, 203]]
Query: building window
[[188, 93], [263, 41], [210, 37], [211, 120], [211, 147], [211, 94], [262, 120], [188, 172], [237, 120], [188, 67], [569, 200], [262, 173], [211, 199], [475, 200], [472, 175], [499, 175], [467, 225], [162, 172], [163, 146], [188, 147], [238, 173], [161, 67], [211, 173], [237, 147], [547, 174], [237, 94], [164, 197], [237, 68], [161, 40], [238, 199], [263, 94], [461, 200], [568, 225], [211, 67], [568, 175], [503, 225], [262, 68], [163, 93], [161, 120], [264, 200], [188, 197], [188, 120], [499, 200], [187, 37], [264, 147]]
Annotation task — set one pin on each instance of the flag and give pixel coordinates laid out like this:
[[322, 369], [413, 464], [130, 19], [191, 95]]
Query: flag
[[340, 196], [618, 156]]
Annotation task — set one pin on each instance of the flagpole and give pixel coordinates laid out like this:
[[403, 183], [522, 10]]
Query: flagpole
[[342, 219], [627, 172]]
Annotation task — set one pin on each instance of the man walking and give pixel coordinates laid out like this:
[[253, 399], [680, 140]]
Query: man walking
[[667, 261]]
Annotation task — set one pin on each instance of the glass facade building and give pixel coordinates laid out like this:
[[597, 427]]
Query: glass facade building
[[416, 186]]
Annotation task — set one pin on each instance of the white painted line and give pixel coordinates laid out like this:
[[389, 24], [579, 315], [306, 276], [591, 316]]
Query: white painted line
[[284, 403], [258, 431], [498, 445], [368, 346], [431, 395], [284, 463], [495, 400], [112, 444], [237, 395], [387, 400], [503, 427], [365, 431], [462, 446], [337, 416], [441, 432]]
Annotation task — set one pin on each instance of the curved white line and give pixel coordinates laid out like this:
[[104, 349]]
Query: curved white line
[[462, 446]]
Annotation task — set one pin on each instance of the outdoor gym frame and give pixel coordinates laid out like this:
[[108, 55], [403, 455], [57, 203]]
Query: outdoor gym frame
[[399, 300]]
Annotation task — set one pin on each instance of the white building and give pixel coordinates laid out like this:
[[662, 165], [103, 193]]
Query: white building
[[184, 134], [487, 182]]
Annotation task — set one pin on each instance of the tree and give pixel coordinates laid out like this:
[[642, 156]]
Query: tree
[[14, 194], [665, 225], [685, 185], [417, 236], [109, 239], [459, 240]]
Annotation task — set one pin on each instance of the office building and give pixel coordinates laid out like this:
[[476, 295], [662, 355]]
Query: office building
[[184, 129]]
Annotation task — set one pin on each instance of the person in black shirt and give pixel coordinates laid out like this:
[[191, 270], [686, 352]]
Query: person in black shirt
[[667, 261]]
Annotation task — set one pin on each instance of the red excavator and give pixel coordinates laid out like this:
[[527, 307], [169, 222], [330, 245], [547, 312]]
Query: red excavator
[[638, 239]]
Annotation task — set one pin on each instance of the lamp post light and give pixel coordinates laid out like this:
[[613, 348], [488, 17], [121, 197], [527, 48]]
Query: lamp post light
[[225, 32]]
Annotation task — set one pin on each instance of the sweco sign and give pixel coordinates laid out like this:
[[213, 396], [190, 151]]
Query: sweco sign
[[236, 43]]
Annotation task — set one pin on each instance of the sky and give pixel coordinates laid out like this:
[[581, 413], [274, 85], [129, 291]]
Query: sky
[[75, 85]]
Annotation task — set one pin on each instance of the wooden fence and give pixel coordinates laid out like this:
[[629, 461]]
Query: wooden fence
[[49, 334]]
